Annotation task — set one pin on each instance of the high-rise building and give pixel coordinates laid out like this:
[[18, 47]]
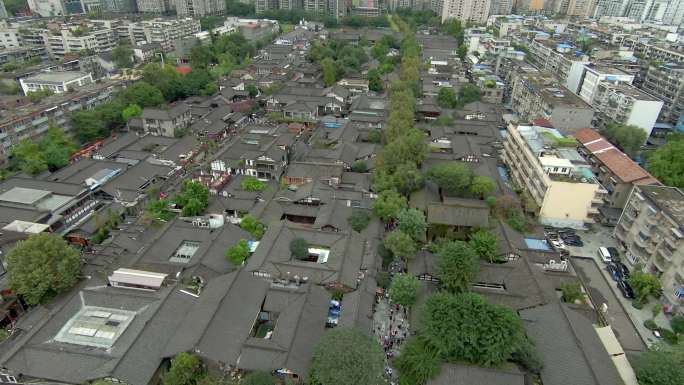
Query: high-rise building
[[475, 11], [3, 10], [500, 7], [582, 8], [614, 8], [154, 6], [667, 83], [200, 8], [674, 13]]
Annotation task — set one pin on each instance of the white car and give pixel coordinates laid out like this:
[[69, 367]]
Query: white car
[[604, 254], [558, 245]]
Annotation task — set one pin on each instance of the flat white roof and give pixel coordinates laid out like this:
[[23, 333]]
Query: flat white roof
[[551, 161], [26, 227], [137, 278]]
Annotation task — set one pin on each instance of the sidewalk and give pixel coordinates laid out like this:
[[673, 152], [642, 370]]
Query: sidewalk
[[603, 236], [390, 328]]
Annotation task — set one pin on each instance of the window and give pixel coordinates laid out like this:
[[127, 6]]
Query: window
[[184, 252]]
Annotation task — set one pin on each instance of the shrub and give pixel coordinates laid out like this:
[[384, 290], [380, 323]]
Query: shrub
[[359, 166], [299, 248], [359, 220], [677, 324], [238, 253], [252, 184], [669, 336], [572, 292], [650, 324]]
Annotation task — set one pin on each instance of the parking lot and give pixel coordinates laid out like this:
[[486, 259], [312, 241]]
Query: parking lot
[[623, 317]]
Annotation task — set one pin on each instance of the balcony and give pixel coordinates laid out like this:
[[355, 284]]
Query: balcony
[[661, 263], [665, 253]]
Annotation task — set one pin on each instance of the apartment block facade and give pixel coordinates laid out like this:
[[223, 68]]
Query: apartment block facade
[[200, 8], [651, 233], [625, 104], [476, 11], [557, 178], [32, 121], [535, 94], [666, 82]]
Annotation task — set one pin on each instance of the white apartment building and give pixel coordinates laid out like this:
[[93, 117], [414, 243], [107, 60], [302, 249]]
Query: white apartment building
[[68, 40], [154, 6], [200, 8], [557, 178], [584, 78], [162, 31], [651, 232], [475, 11], [557, 58], [55, 81], [626, 104]]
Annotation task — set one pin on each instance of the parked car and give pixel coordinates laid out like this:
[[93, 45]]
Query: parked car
[[623, 269], [604, 255], [614, 254], [574, 242], [614, 272], [626, 289], [557, 245]]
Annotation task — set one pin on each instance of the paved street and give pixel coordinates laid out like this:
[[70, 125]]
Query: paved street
[[606, 290], [391, 328]]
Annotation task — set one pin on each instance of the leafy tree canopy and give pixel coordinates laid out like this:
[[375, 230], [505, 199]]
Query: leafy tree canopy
[[193, 198], [484, 243], [404, 289], [401, 244], [346, 356], [667, 163], [252, 226], [457, 265], [645, 285], [454, 178], [465, 327], [659, 367], [412, 222], [417, 363], [628, 138], [238, 253], [42, 266], [388, 205], [185, 369], [359, 220], [250, 183], [299, 248]]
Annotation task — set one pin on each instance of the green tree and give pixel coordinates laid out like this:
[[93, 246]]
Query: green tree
[[645, 285], [454, 178], [468, 93], [417, 363], [404, 290], [142, 94], [346, 356], [465, 327], [406, 178], [374, 81], [185, 369], [401, 244], [238, 253], [252, 90], [252, 226], [388, 204], [359, 166], [299, 248], [572, 292], [677, 324], [659, 367], [462, 51], [158, 209], [30, 158], [42, 266], [412, 222], [628, 138], [446, 97], [329, 71], [88, 125], [484, 243], [359, 220], [374, 136], [122, 56], [667, 163], [250, 183], [132, 111], [482, 186], [457, 266], [193, 198], [258, 378]]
